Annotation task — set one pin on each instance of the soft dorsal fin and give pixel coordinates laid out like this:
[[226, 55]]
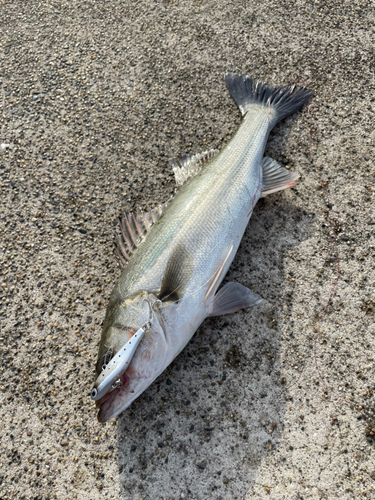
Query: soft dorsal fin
[[275, 177], [177, 273], [133, 229], [188, 165]]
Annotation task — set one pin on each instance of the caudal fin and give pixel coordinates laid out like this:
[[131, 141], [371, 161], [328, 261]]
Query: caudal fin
[[282, 101]]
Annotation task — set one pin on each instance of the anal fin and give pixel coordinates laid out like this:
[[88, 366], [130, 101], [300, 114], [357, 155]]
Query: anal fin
[[276, 177], [232, 298]]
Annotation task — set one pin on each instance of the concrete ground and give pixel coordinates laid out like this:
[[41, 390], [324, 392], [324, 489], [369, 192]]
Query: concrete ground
[[96, 98]]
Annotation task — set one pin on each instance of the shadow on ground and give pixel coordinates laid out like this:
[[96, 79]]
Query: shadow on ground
[[219, 408]]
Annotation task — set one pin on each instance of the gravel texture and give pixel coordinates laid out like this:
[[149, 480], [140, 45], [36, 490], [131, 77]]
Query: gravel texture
[[96, 98]]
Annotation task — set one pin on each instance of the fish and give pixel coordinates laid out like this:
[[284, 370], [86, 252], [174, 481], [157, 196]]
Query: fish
[[175, 256]]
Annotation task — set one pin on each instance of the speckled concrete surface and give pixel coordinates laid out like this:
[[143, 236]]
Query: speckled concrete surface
[[96, 98]]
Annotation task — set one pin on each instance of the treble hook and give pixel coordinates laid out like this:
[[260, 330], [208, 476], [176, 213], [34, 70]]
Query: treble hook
[[147, 325]]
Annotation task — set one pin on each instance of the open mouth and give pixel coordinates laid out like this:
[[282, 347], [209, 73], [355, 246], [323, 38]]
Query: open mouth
[[106, 401]]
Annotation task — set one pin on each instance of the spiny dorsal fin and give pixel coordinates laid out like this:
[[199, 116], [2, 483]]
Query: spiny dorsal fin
[[276, 177], [188, 165], [177, 273], [133, 229]]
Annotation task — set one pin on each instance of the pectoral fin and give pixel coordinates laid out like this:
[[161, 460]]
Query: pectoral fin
[[275, 177], [232, 298], [177, 274], [217, 277]]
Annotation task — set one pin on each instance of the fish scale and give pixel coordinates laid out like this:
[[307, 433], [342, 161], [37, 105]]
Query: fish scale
[[177, 263], [198, 217]]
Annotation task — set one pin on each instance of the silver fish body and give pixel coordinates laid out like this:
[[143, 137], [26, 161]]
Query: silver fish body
[[180, 262]]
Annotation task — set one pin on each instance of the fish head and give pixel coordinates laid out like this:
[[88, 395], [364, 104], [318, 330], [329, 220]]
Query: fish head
[[124, 319]]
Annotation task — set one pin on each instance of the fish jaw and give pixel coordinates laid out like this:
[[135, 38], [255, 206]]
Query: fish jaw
[[178, 323], [106, 401], [146, 364], [118, 400]]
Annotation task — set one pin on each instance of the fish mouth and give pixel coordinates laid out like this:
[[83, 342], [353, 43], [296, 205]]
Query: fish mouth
[[117, 400], [148, 362], [104, 404]]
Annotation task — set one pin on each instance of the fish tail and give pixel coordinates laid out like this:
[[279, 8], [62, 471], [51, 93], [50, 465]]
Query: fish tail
[[282, 101]]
